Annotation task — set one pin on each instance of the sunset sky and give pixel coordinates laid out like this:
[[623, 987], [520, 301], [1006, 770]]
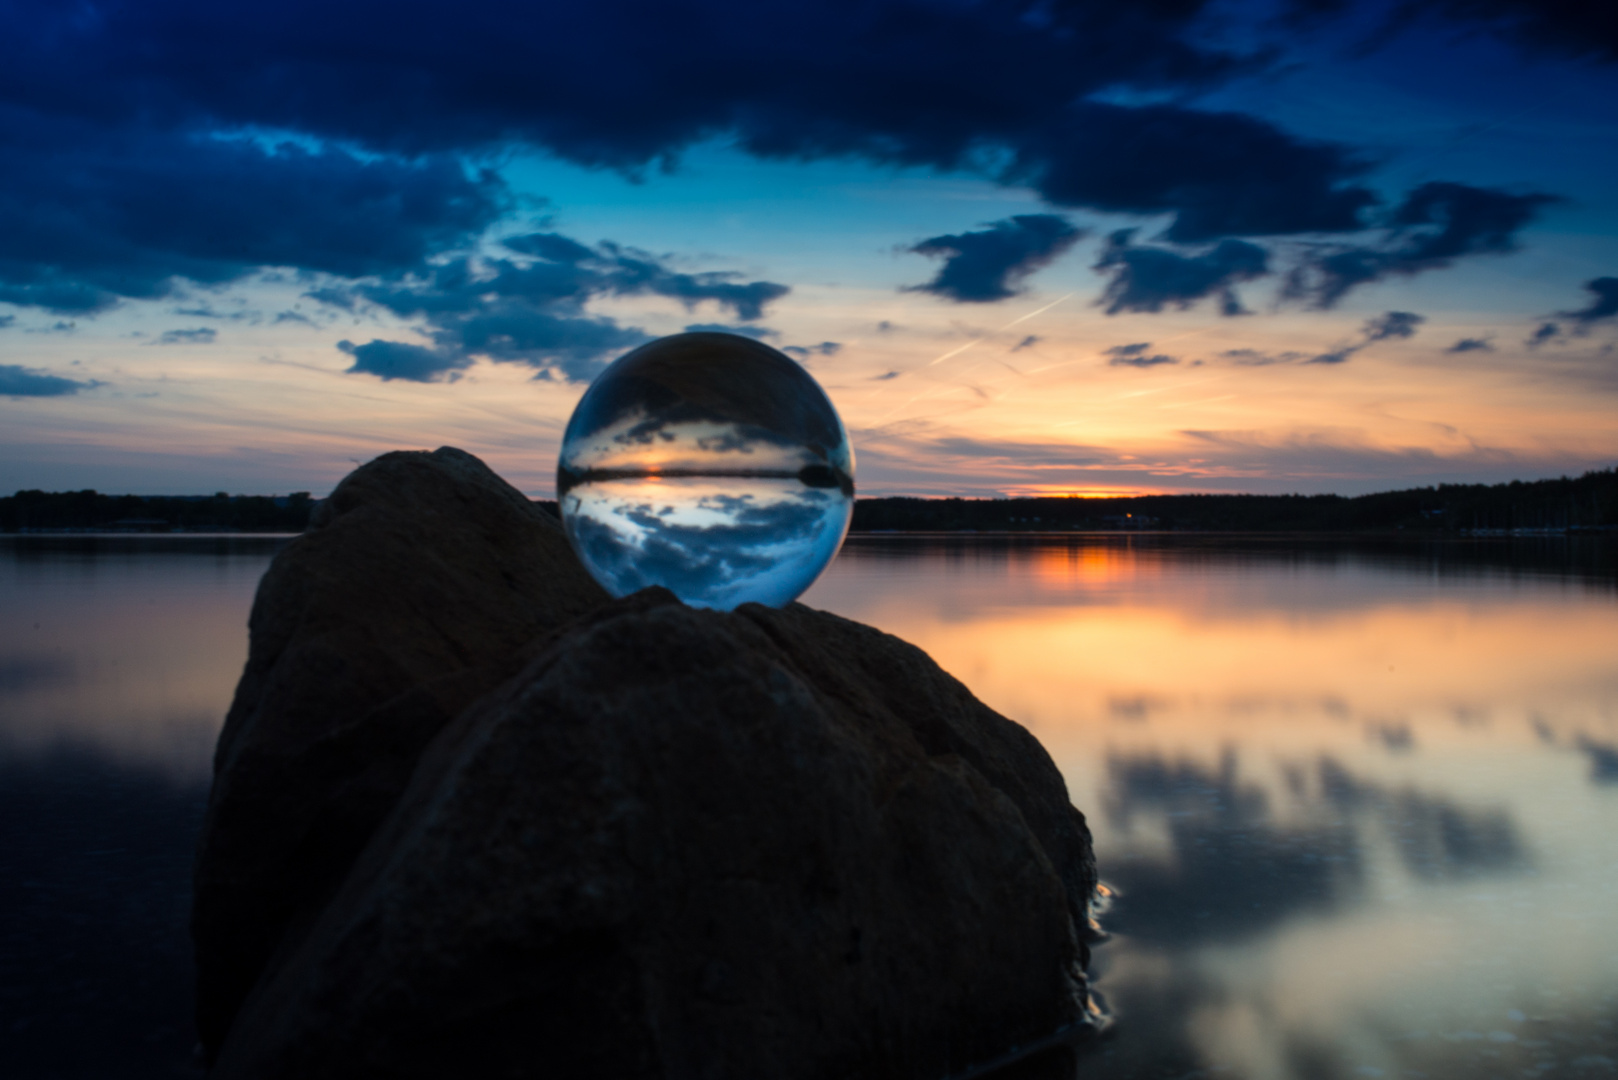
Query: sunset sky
[[1034, 246]]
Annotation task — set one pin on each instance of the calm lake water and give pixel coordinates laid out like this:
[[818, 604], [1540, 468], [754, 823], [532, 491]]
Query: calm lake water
[[1358, 802]]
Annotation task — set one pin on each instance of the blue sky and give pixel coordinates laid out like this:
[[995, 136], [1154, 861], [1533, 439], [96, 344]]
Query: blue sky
[[1026, 247]]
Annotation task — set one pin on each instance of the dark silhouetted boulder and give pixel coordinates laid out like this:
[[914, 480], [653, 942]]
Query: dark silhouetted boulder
[[410, 595], [654, 842]]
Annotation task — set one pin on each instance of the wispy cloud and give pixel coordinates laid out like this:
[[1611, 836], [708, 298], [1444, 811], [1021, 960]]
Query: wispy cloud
[[1136, 356], [201, 335], [1392, 324]]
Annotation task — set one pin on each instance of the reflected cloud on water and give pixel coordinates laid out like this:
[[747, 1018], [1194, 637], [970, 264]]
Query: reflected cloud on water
[[1603, 760], [1230, 870], [1434, 836], [1356, 799], [1233, 867], [1362, 819]]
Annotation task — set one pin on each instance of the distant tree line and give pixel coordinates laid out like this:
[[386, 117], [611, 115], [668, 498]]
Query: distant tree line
[[1590, 501], [91, 510], [1586, 502]]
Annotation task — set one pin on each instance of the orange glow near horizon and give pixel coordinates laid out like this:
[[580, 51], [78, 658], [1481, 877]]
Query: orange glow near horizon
[[1114, 624], [274, 408]]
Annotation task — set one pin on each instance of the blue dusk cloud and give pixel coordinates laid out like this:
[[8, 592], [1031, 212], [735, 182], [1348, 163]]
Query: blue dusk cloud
[[1572, 27], [1393, 324], [1149, 278], [89, 216], [804, 352], [401, 80], [1604, 306], [398, 360], [1136, 356], [141, 153], [988, 265], [1436, 224], [1471, 345], [20, 382], [531, 310], [1543, 333]]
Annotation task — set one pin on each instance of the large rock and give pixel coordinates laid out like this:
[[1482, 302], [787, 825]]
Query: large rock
[[670, 843], [411, 594]]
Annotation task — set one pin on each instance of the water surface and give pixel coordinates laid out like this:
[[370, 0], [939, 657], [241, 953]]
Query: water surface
[[1359, 803]]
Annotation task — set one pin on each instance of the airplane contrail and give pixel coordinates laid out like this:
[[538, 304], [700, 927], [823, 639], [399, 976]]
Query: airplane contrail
[[975, 341], [994, 333]]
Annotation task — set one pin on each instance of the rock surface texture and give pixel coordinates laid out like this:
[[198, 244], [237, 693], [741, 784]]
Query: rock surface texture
[[470, 818]]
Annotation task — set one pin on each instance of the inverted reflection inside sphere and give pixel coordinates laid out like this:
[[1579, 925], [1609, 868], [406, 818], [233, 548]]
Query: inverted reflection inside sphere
[[710, 464]]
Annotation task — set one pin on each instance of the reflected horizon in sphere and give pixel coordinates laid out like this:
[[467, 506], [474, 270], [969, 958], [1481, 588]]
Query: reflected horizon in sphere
[[709, 464]]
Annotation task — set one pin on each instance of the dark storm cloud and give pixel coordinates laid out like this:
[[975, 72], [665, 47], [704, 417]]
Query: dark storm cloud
[[1005, 89], [1220, 174], [1573, 27], [118, 183], [18, 382], [988, 265], [1148, 278], [1436, 224], [1136, 356], [531, 310], [1471, 344], [89, 216], [1393, 324]]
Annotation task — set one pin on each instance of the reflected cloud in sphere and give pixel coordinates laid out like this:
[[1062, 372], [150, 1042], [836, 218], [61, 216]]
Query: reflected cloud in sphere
[[710, 464]]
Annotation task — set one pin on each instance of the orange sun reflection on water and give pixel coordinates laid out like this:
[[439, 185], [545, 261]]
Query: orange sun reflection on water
[[1358, 801]]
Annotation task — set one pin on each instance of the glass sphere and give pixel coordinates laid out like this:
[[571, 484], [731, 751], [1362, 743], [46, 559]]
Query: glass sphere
[[710, 464]]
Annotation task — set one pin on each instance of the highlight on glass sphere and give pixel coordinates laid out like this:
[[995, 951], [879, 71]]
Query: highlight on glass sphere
[[710, 464]]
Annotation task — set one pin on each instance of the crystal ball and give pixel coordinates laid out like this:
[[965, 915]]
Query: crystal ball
[[710, 464]]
